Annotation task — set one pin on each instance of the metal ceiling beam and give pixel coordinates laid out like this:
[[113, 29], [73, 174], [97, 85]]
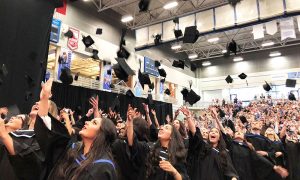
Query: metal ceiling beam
[[114, 4]]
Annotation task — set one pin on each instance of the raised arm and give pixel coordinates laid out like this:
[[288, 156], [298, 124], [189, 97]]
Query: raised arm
[[129, 125], [6, 139], [44, 98], [155, 117], [94, 103]]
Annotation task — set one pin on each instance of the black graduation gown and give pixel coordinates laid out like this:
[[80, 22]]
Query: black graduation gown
[[6, 170], [140, 151], [278, 147], [203, 161], [55, 144], [247, 163], [293, 160]]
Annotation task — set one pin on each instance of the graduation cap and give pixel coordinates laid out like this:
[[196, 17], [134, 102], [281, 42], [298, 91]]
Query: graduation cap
[[122, 70], [65, 76], [109, 71], [87, 41], [144, 5], [192, 97], [243, 119], [3, 70], [266, 86], [95, 54], [163, 80], [290, 83], [177, 33], [157, 64], [97, 78], [229, 79], [157, 39], [99, 31], [184, 93], [178, 64], [243, 76], [176, 20], [191, 34], [69, 34], [144, 79], [123, 53], [162, 72], [167, 91], [29, 80], [232, 47], [151, 86]]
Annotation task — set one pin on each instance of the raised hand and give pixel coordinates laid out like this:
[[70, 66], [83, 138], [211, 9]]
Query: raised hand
[[153, 112], [167, 166], [94, 102], [146, 108], [90, 112], [186, 112], [46, 89]]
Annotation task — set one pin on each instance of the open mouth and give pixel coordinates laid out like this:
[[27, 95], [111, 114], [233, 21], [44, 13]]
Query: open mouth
[[84, 127]]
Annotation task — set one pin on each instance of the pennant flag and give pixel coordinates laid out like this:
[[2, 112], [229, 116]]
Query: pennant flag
[[287, 28], [63, 9], [271, 27], [258, 31]]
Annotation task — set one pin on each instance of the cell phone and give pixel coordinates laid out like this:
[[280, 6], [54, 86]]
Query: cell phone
[[163, 155]]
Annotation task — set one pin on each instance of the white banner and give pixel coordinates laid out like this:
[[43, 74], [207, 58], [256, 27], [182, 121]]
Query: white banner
[[258, 31], [287, 28], [271, 27]]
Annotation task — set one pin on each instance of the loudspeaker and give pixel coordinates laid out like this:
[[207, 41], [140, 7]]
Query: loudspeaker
[[191, 34]]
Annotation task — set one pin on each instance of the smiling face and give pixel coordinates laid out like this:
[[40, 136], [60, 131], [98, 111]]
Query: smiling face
[[34, 109], [204, 133], [91, 128], [164, 132], [176, 124], [214, 136]]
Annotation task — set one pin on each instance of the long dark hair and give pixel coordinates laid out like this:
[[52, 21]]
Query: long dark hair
[[100, 148], [182, 130], [176, 151], [141, 129]]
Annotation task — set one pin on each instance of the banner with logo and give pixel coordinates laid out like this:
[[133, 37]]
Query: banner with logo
[[73, 42]]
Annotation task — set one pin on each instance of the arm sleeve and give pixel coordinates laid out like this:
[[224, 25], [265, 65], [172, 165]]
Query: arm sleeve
[[181, 168], [229, 170], [196, 142]]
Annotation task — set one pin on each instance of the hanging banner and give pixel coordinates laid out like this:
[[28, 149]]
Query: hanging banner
[[55, 30], [287, 28], [63, 9], [271, 27], [258, 31], [64, 60], [107, 77], [73, 42]]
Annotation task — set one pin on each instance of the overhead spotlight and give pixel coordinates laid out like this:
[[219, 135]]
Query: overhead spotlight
[[193, 56], [123, 53], [127, 18], [144, 5], [233, 2], [99, 31], [95, 54], [87, 41], [69, 34], [171, 5], [167, 92], [178, 64], [267, 87], [157, 39], [178, 33], [267, 43], [229, 79], [191, 34], [232, 47], [76, 76], [237, 59], [243, 76], [206, 63], [176, 46], [275, 54], [213, 40]]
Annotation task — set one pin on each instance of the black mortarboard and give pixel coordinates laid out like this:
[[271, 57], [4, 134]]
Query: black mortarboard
[[192, 97], [144, 5], [162, 72], [123, 53], [65, 76], [229, 79], [98, 78], [163, 80], [290, 83], [167, 91], [76, 76], [98, 31], [157, 64], [243, 119], [191, 34], [177, 33], [144, 79], [176, 20], [184, 93], [3, 70], [87, 41], [243, 76], [178, 64], [95, 54], [122, 70], [109, 71], [266, 86], [69, 34], [232, 47]]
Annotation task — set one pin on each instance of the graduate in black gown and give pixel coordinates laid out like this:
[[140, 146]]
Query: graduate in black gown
[[165, 160], [89, 159], [208, 160], [182, 130]]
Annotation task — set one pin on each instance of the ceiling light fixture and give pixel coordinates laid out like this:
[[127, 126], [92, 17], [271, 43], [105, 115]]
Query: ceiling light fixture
[[237, 59], [213, 40], [267, 43], [206, 63], [193, 56], [171, 5], [224, 51], [127, 18], [176, 46], [275, 54]]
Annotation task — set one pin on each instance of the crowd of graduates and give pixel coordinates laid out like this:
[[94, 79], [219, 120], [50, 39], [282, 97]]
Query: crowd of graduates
[[224, 141]]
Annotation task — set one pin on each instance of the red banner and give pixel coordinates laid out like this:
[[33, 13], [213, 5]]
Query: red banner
[[73, 42], [62, 10]]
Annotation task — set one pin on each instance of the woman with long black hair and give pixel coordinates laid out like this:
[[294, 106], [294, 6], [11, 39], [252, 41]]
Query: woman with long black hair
[[165, 160], [89, 159], [207, 160]]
